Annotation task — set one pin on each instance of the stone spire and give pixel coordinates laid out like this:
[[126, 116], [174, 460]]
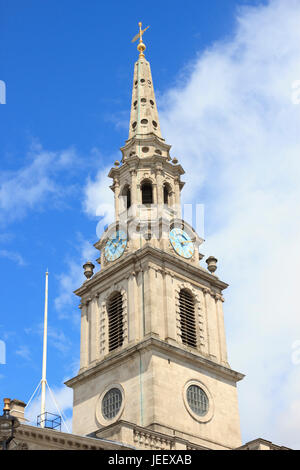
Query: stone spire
[[144, 116]]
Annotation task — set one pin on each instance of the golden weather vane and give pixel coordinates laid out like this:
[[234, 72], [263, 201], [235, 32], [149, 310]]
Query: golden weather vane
[[141, 46]]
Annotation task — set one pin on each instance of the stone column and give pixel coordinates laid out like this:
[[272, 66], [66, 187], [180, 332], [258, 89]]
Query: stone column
[[154, 193], [138, 194], [177, 197], [170, 309], [94, 329], [212, 327], [132, 308], [84, 336], [147, 299], [141, 302], [134, 190], [202, 311], [154, 305], [117, 201], [159, 179], [221, 328]]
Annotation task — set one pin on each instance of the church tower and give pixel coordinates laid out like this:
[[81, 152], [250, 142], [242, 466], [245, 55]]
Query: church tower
[[153, 371]]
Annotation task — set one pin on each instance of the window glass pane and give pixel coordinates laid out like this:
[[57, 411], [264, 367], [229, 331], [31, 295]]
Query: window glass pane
[[197, 399], [147, 193], [111, 403]]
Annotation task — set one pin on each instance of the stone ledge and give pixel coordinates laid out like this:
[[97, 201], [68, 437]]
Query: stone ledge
[[155, 345], [161, 258]]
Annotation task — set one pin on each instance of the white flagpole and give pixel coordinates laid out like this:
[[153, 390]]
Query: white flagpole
[[43, 382]]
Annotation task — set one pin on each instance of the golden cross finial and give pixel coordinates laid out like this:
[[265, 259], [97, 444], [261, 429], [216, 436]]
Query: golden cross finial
[[141, 46]]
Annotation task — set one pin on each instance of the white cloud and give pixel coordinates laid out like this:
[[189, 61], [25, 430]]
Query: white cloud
[[73, 278], [98, 202], [235, 128], [56, 337], [99, 198], [33, 184], [13, 256], [23, 351]]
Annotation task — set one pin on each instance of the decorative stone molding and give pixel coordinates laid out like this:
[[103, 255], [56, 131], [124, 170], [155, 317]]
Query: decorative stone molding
[[33, 438], [206, 290], [151, 441], [219, 297], [102, 329], [18, 446], [146, 176]]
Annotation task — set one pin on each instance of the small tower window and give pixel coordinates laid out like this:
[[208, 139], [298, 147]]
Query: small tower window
[[166, 194], [147, 194], [187, 318], [125, 197], [128, 196], [197, 400], [111, 403], [115, 321]]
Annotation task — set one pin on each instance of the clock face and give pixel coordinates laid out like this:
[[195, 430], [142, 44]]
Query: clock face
[[182, 243], [115, 245]]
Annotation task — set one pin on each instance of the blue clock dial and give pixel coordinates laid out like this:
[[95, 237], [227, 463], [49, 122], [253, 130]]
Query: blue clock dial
[[115, 245], [182, 243]]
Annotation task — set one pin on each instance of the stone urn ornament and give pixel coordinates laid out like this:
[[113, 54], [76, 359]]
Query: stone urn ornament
[[88, 269], [212, 264]]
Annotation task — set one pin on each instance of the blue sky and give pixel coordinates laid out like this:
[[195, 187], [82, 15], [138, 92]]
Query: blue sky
[[222, 72]]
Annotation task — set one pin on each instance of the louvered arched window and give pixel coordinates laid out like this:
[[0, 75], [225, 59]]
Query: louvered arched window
[[115, 321], [187, 318]]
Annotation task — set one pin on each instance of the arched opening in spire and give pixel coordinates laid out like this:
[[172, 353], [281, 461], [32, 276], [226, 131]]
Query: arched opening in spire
[[147, 192], [167, 194], [125, 197]]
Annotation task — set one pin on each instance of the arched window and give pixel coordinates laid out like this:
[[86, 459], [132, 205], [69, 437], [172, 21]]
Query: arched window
[[125, 197], [167, 191], [127, 194], [147, 194], [187, 318], [115, 321]]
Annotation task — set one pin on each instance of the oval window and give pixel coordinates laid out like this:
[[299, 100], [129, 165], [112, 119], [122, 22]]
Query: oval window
[[111, 403], [197, 400]]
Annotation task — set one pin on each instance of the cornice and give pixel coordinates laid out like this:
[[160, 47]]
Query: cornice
[[157, 345], [163, 259], [52, 438], [147, 139], [137, 163]]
